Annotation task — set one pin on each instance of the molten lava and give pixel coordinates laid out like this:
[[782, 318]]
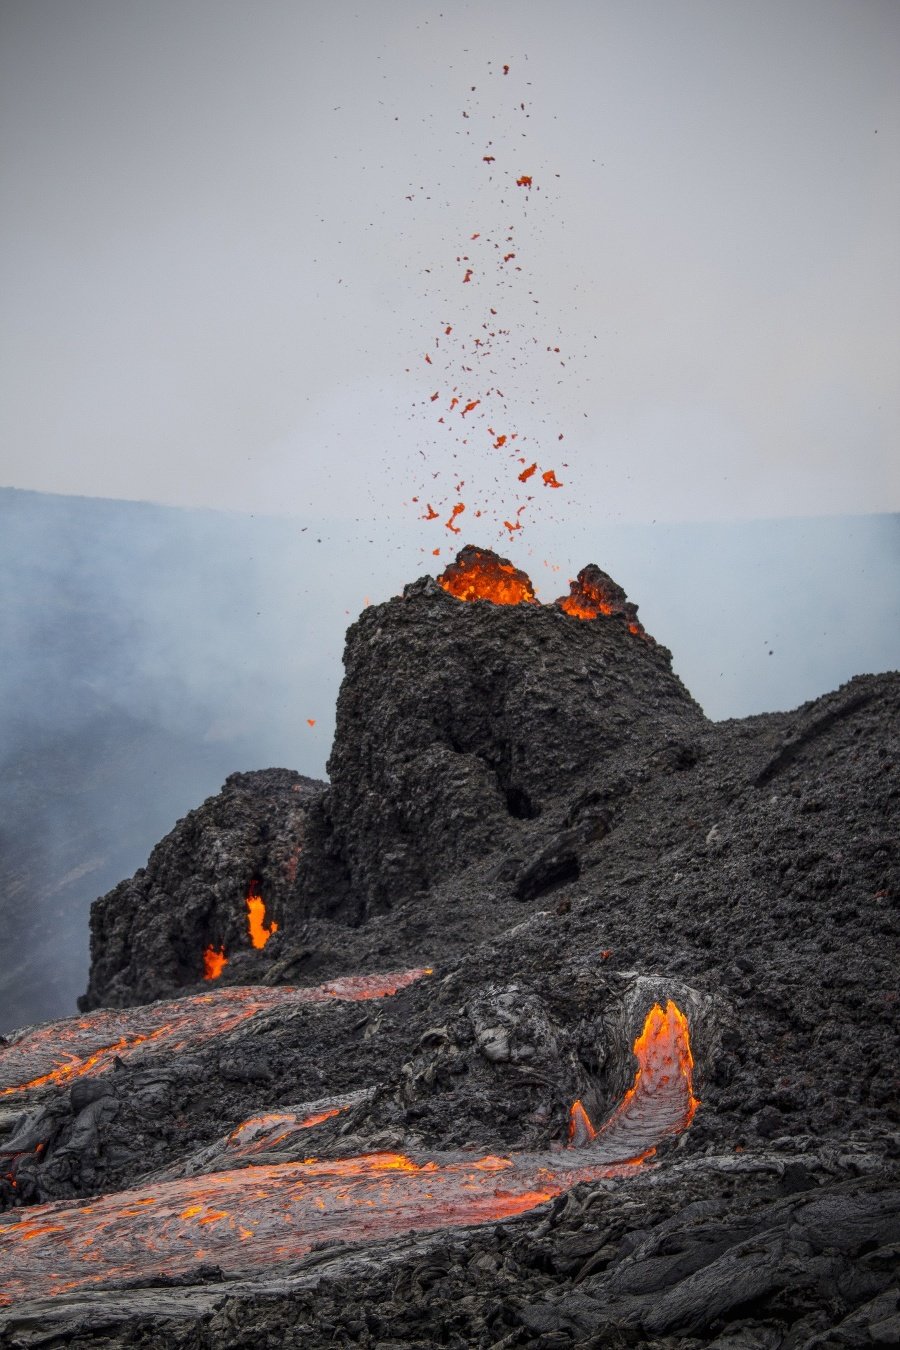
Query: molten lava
[[87, 1046], [214, 962], [258, 1215], [661, 1099], [480, 574], [593, 593], [256, 918], [581, 1131]]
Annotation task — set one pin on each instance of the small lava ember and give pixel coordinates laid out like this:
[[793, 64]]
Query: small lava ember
[[214, 962], [481, 574], [256, 919]]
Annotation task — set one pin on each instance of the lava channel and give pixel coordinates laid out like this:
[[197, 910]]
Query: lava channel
[[86, 1046], [253, 1218]]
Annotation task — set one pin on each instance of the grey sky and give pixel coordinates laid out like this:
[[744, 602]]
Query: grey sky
[[216, 285]]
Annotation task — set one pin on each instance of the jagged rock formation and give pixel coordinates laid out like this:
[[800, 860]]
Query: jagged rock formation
[[532, 805], [463, 731], [460, 725], [148, 935]]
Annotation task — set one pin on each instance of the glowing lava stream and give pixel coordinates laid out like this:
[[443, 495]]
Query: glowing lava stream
[[86, 1046], [255, 1217]]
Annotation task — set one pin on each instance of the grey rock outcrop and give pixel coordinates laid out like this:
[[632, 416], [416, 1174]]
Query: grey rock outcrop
[[459, 724], [149, 934]]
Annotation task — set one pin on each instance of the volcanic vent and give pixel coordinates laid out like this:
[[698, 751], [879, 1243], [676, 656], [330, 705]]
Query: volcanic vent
[[468, 714]]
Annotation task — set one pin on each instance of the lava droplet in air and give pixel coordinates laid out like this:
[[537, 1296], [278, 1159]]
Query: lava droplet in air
[[480, 574], [214, 962], [256, 917]]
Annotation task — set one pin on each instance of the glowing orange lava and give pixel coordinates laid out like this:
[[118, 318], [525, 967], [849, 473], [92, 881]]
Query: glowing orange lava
[[457, 511], [479, 574], [593, 593], [288, 1208], [87, 1046], [285, 1208], [661, 1099], [256, 917], [214, 962], [581, 1131]]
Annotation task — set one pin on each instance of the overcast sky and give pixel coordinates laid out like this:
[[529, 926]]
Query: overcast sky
[[233, 232]]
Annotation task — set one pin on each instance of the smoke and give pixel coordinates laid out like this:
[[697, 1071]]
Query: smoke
[[150, 651]]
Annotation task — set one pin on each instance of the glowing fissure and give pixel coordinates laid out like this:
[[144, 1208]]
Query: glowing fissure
[[86, 1046], [261, 1215], [661, 1099], [256, 918]]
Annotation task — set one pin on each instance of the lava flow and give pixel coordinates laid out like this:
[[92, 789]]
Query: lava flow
[[249, 1219], [479, 574], [87, 1046], [256, 917], [661, 1099]]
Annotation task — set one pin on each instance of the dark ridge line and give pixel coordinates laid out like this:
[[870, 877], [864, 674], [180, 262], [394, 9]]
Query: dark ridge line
[[788, 753]]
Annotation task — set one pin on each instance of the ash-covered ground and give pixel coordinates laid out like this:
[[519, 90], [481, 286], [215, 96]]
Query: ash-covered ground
[[530, 805]]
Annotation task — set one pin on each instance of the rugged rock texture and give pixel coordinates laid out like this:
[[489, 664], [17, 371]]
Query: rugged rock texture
[[533, 806], [461, 724], [148, 935]]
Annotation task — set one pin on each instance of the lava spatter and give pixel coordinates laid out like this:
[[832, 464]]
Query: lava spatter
[[480, 574], [491, 260]]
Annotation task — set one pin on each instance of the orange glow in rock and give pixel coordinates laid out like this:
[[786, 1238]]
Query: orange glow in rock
[[256, 918], [479, 574], [594, 593], [214, 962]]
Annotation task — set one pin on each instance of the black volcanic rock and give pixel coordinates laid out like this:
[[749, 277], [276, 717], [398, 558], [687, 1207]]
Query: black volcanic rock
[[534, 806], [148, 935], [460, 724]]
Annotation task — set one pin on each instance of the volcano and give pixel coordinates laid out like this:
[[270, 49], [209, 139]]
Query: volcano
[[560, 1016]]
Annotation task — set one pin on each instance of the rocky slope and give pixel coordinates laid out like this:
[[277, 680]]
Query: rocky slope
[[532, 806]]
